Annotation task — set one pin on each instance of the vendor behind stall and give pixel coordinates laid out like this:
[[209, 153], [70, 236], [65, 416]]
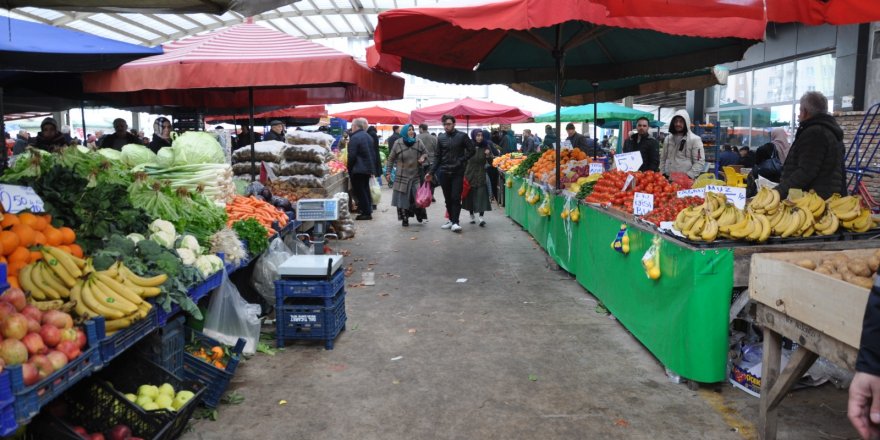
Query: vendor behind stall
[[121, 136], [161, 134], [49, 136], [276, 133]]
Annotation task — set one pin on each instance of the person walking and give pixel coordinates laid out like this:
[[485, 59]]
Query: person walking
[[727, 157], [454, 149], [530, 145], [477, 200], [408, 154], [682, 149], [395, 135], [374, 134], [578, 140], [361, 167], [646, 145], [430, 143], [549, 137]]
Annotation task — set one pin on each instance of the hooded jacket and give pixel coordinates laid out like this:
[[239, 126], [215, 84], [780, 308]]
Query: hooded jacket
[[453, 152], [815, 160], [688, 156]]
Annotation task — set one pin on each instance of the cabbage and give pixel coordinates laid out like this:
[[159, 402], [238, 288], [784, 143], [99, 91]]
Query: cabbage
[[110, 153], [163, 238], [160, 225], [165, 157], [191, 243], [208, 264], [197, 147], [137, 154], [135, 237], [187, 256], [83, 149]]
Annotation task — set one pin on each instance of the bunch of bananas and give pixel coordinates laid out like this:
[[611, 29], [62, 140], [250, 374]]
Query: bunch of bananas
[[853, 216], [707, 221], [767, 201], [52, 277], [117, 294]]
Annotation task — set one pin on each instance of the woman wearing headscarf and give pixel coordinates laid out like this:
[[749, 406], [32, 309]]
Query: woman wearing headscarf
[[477, 200], [408, 154], [767, 165], [161, 134], [779, 139]]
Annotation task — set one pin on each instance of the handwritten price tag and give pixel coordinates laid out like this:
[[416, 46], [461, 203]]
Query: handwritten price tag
[[628, 161], [695, 192], [597, 168], [643, 203], [20, 198], [734, 195], [630, 180]]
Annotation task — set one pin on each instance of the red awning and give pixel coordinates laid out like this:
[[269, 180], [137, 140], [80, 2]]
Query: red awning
[[471, 111], [301, 112], [375, 115], [215, 70]]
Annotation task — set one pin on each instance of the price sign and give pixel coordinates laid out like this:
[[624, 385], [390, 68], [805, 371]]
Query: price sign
[[734, 195], [630, 180], [628, 161], [20, 198], [597, 168], [695, 192], [643, 203]]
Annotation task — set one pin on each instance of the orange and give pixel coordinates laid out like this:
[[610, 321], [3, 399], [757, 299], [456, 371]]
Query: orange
[[67, 235], [36, 256], [41, 223], [3, 260], [20, 256], [9, 220], [53, 236], [25, 234], [13, 268], [9, 240], [27, 218], [65, 248], [13, 282], [39, 238], [76, 251]]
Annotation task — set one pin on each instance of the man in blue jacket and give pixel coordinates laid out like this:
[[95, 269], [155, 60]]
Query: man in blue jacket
[[361, 167]]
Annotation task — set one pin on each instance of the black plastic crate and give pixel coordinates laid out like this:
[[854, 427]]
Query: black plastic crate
[[215, 379], [310, 319], [165, 346]]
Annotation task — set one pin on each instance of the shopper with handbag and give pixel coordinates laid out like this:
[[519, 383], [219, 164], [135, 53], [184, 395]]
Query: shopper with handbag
[[408, 154], [477, 200]]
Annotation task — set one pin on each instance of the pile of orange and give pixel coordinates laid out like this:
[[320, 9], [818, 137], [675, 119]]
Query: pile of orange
[[545, 167], [22, 234]]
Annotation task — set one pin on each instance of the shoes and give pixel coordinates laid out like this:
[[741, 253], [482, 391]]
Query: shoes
[[433, 200], [405, 222], [473, 219], [482, 222], [456, 228], [447, 225], [364, 217]]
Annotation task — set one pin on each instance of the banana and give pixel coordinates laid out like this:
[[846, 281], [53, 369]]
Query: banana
[[694, 232], [836, 202], [828, 224], [765, 228], [113, 325], [144, 309], [24, 278], [782, 222], [806, 219], [113, 270], [679, 220], [862, 223], [773, 205], [792, 224], [776, 217], [150, 292], [728, 217], [689, 223], [119, 288], [817, 205], [58, 268], [716, 213], [96, 305], [756, 228], [710, 231], [54, 304], [760, 200], [133, 287], [810, 230], [65, 259], [79, 305], [45, 278], [742, 229], [846, 208], [111, 298], [155, 281]]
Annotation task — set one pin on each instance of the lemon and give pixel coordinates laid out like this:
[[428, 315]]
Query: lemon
[[625, 239], [649, 264], [626, 249], [654, 273]]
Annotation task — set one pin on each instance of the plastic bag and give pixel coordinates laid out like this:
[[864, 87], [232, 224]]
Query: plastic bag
[[375, 191], [266, 270], [423, 195], [651, 259], [545, 209], [230, 317]]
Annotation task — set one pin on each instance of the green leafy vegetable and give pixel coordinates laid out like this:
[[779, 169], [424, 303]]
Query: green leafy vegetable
[[256, 236], [137, 154], [197, 147], [523, 168]]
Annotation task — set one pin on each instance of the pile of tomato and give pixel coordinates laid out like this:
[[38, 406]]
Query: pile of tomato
[[668, 211], [609, 189]]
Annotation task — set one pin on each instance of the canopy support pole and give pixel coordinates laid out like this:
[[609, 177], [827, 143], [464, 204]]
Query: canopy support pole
[[82, 114], [253, 149], [558, 55], [595, 118], [4, 156]]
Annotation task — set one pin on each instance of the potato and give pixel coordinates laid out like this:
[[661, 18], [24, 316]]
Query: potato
[[877, 253], [865, 282], [859, 268], [836, 276], [840, 256], [824, 270], [873, 263], [807, 264], [842, 266]]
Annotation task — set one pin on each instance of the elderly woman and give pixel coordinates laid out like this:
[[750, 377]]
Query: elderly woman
[[408, 154], [478, 199]]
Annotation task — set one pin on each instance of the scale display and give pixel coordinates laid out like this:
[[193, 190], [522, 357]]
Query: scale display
[[317, 210], [310, 265]]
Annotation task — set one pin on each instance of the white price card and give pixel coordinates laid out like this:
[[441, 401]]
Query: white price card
[[643, 203], [20, 198], [597, 168], [628, 161], [693, 192], [734, 195], [630, 180]]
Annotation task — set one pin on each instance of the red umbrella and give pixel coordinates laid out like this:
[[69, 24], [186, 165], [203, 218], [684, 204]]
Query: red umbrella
[[301, 112], [471, 110], [219, 69], [375, 114]]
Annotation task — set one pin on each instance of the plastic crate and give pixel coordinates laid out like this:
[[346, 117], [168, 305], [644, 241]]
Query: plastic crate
[[112, 346], [316, 288], [165, 346], [8, 424], [310, 319], [212, 282], [30, 399], [214, 379]]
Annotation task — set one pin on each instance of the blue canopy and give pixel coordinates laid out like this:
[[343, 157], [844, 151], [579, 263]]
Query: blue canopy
[[34, 47]]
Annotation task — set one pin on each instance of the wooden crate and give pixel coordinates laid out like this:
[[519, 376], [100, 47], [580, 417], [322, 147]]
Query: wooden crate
[[833, 307]]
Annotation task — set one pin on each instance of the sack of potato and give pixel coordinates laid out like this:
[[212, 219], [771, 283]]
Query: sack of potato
[[854, 271]]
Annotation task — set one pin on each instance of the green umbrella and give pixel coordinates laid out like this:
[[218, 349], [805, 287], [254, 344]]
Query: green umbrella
[[606, 111], [615, 125]]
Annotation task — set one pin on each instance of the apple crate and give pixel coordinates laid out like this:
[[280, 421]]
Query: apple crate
[[30, 399], [214, 379], [165, 346], [114, 345]]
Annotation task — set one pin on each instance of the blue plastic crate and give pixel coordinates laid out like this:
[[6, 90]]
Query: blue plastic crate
[[30, 399], [165, 346], [310, 319], [112, 346], [7, 408], [214, 379], [314, 288], [212, 282]]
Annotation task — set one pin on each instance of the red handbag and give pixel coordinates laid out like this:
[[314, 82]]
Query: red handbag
[[465, 188]]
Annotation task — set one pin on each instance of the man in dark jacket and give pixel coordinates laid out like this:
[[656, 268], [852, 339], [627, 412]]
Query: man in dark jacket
[[21, 142], [728, 156], [644, 144], [530, 144], [864, 391], [815, 160], [549, 138], [454, 149], [577, 140], [120, 138], [49, 136], [244, 138], [361, 167], [746, 157], [394, 136], [276, 132]]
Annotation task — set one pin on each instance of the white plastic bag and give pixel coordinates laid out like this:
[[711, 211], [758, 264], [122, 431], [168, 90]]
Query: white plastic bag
[[230, 317], [266, 271], [375, 191]]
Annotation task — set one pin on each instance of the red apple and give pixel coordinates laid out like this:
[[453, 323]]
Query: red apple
[[6, 309], [81, 431], [32, 311], [69, 349], [14, 327], [33, 326], [69, 334], [119, 432], [57, 358], [97, 436], [13, 351], [58, 319], [43, 365], [81, 339], [50, 334], [29, 374], [15, 297], [34, 344]]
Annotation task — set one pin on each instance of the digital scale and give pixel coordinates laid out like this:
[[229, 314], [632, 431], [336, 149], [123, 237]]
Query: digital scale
[[318, 265]]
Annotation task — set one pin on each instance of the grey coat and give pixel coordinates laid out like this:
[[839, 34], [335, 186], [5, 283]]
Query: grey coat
[[406, 158]]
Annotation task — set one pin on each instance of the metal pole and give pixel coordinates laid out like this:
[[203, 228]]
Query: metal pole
[[4, 156], [558, 55], [253, 152], [595, 117], [82, 114]]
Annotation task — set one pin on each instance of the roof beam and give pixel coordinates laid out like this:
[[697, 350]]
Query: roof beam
[[136, 24], [32, 16], [298, 29], [329, 23], [69, 17], [97, 23], [165, 22]]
